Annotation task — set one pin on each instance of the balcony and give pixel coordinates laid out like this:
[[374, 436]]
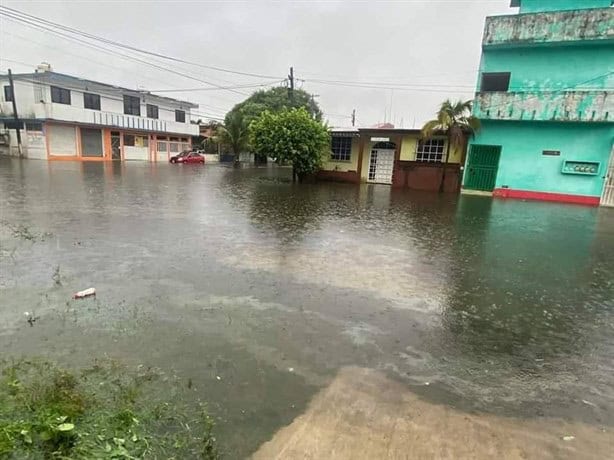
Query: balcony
[[562, 27], [70, 113], [578, 106]]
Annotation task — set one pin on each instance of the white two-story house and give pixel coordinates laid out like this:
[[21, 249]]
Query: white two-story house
[[62, 117]]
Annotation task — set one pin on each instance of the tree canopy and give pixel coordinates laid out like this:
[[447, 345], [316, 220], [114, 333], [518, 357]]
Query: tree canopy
[[275, 100], [234, 133], [455, 121], [292, 136]]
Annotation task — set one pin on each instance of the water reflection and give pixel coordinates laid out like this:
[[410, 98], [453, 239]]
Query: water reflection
[[498, 300], [524, 288]]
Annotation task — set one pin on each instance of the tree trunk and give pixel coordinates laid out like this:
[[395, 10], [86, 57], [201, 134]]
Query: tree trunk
[[444, 167], [294, 174]]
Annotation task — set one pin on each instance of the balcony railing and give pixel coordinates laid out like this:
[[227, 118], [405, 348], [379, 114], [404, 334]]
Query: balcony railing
[[583, 106], [549, 27], [69, 113]]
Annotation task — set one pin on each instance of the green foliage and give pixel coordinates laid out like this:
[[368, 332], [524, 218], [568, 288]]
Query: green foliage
[[454, 120], [103, 412], [275, 100], [234, 133], [292, 136]]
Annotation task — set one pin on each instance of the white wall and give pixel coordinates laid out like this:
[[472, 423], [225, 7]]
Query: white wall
[[136, 153], [34, 142], [34, 101]]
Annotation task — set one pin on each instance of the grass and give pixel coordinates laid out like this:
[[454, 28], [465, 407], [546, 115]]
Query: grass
[[103, 412]]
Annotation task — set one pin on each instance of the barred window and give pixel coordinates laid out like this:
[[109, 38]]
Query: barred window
[[180, 116], [341, 148], [430, 150]]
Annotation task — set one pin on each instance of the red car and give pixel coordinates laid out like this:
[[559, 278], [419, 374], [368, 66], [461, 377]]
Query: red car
[[188, 157]]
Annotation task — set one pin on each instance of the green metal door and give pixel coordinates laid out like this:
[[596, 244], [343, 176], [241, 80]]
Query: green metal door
[[482, 167]]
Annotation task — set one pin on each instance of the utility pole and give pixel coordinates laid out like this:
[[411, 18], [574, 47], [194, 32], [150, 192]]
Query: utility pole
[[291, 79], [354, 117], [15, 115]]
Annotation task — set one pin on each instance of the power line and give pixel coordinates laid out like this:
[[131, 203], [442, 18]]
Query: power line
[[133, 48], [91, 45], [256, 85], [89, 60]]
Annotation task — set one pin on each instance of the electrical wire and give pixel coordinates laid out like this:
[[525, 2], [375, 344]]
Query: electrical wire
[[75, 31], [131, 58]]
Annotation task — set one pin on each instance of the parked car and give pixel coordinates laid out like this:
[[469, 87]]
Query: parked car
[[188, 157]]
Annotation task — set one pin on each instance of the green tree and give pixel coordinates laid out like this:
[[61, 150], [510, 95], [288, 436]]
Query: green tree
[[292, 136], [456, 122], [275, 100], [234, 133]]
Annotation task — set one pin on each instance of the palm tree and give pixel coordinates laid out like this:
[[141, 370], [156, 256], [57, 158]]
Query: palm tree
[[455, 121], [234, 133]]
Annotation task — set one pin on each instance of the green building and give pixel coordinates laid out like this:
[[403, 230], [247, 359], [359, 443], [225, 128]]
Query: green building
[[545, 97]]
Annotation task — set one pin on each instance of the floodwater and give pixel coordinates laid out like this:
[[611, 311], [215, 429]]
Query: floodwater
[[260, 291]]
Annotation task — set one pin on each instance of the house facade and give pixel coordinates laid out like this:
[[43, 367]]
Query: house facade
[[62, 117], [545, 98], [397, 157]]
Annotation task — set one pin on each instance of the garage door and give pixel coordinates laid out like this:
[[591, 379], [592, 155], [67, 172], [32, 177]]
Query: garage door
[[91, 142], [62, 140]]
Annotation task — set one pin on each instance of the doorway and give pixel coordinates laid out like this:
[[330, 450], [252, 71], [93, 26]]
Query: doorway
[[381, 163], [116, 145], [482, 167], [607, 198]]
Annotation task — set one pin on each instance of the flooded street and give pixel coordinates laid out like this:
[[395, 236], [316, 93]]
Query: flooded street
[[262, 292]]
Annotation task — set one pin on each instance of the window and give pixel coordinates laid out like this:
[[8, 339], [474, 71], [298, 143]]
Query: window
[[496, 81], [180, 116], [129, 140], [162, 146], [141, 141], [430, 150], [341, 148], [554, 153], [132, 105], [8, 94], [60, 95], [91, 101], [152, 111], [34, 126]]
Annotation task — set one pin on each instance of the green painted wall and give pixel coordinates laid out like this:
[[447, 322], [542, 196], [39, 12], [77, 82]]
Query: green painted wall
[[522, 165], [552, 67], [534, 6]]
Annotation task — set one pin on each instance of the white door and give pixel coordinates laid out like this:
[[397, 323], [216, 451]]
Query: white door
[[381, 165], [607, 199]]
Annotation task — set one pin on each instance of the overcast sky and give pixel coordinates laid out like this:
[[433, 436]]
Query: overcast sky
[[433, 46]]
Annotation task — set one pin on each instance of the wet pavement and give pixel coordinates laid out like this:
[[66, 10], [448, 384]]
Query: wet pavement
[[260, 291]]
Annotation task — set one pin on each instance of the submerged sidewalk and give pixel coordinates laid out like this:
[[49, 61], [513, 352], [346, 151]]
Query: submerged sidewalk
[[365, 415]]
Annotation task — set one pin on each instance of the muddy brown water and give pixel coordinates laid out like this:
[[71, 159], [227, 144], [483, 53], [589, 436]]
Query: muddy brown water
[[505, 308]]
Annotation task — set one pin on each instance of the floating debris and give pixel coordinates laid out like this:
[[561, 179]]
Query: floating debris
[[85, 293]]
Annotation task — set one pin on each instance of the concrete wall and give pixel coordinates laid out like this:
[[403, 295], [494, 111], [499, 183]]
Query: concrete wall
[[34, 101], [136, 153], [522, 165], [532, 6], [344, 166], [547, 68], [592, 106], [562, 27]]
